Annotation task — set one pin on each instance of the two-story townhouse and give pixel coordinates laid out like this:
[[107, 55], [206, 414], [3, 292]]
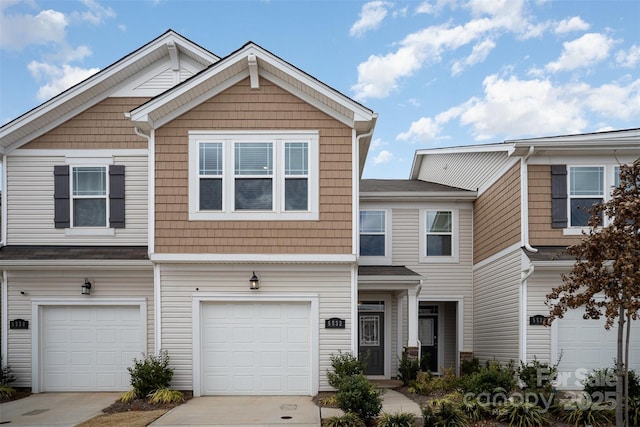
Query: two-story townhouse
[[180, 201], [531, 202], [415, 275]]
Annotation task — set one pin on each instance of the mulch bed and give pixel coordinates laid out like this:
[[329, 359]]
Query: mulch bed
[[143, 405], [19, 394]]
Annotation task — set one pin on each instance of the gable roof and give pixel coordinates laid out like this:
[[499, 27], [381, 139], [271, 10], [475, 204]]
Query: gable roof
[[385, 189], [99, 86], [252, 61]]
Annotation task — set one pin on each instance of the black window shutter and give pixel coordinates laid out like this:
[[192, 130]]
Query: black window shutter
[[62, 213], [116, 196], [558, 196]]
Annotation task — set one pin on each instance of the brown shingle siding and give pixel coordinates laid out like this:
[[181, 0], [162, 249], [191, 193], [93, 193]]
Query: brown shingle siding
[[540, 231], [269, 108], [102, 126], [496, 221]]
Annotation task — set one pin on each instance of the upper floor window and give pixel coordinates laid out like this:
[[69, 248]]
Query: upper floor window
[[375, 236], [89, 196], [253, 175], [372, 233], [576, 189], [586, 188], [439, 237]]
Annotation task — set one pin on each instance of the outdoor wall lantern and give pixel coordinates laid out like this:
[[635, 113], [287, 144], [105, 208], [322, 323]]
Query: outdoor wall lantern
[[254, 282], [86, 287]]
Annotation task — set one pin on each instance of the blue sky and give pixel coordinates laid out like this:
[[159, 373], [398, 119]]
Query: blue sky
[[438, 72]]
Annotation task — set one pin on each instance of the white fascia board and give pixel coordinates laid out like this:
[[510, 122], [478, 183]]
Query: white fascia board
[[360, 112], [487, 148], [144, 112], [308, 99], [65, 264], [92, 81], [624, 136], [253, 258], [418, 196]]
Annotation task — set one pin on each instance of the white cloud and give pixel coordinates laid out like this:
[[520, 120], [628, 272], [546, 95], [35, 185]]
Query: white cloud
[[383, 156], [58, 78], [379, 75], [478, 54], [371, 16], [423, 130], [572, 24], [425, 7], [512, 108], [377, 143], [585, 51], [95, 13], [20, 30], [629, 58]]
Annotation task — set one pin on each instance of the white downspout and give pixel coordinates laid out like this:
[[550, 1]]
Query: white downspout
[[151, 197], [524, 201], [3, 225], [355, 220], [524, 275]]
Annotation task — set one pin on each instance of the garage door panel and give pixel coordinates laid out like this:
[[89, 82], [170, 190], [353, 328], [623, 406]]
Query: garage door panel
[[88, 348], [258, 353], [584, 345]]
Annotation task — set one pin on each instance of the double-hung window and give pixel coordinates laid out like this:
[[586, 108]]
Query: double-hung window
[[253, 175], [586, 188], [89, 196], [438, 236], [372, 233]]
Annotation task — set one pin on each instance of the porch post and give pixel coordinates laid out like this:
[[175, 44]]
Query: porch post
[[412, 315]]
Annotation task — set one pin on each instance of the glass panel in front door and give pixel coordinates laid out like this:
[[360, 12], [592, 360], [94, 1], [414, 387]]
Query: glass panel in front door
[[369, 331]]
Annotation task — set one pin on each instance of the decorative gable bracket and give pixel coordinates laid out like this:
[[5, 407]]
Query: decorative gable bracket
[[253, 71]]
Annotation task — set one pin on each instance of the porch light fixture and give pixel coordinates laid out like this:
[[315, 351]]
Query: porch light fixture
[[254, 282], [86, 287]]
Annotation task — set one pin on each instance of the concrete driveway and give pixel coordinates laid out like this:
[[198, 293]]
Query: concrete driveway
[[299, 411], [55, 409]]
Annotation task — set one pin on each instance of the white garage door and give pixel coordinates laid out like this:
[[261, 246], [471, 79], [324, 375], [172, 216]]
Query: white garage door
[[586, 345], [256, 348], [88, 348]]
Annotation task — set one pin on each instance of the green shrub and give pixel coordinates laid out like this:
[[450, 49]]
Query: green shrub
[[399, 419], [6, 392], [634, 411], [602, 383], [491, 380], [447, 381], [150, 374], [584, 413], [347, 420], [344, 365], [522, 414], [128, 396], [6, 374], [165, 395], [423, 384], [408, 370], [537, 376], [444, 413], [356, 394], [469, 367], [474, 409]]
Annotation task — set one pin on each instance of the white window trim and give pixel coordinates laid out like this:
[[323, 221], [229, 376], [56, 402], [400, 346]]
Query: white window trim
[[81, 160], [455, 245], [378, 260], [279, 138], [608, 185]]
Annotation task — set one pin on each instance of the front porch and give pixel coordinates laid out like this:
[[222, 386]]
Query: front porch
[[396, 317]]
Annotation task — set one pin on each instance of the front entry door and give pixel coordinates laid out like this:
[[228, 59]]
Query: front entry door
[[428, 330], [371, 341]]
